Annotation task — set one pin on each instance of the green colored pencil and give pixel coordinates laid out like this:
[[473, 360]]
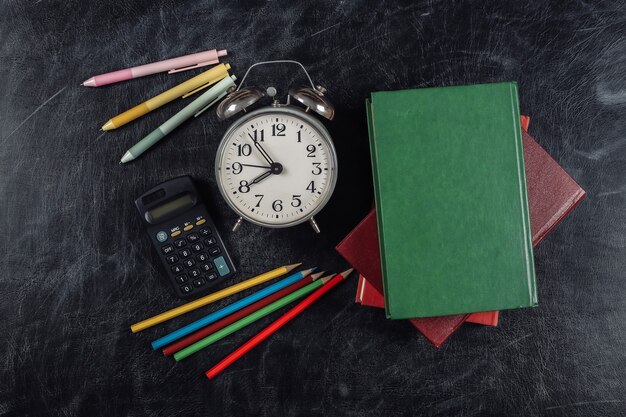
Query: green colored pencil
[[240, 324]]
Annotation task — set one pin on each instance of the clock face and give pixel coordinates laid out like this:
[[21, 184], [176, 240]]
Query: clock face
[[276, 167]]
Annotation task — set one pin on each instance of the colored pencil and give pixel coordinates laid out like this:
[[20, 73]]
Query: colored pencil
[[275, 326], [229, 309], [246, 321], [212, 328], [202, 80], [208, 299]]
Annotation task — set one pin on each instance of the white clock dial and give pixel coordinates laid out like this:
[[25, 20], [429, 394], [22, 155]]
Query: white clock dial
[[277, 167]]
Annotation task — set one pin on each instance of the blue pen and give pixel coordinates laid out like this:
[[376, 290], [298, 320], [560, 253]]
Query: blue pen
[[229, 309]]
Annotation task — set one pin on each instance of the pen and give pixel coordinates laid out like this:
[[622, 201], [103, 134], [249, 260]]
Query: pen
[[196, 107], [182, 63], [194, 84]]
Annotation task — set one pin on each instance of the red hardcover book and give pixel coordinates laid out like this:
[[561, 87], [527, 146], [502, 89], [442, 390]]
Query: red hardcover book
[[552, 194]]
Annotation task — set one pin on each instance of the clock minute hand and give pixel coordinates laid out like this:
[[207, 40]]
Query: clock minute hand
[[262, 151]]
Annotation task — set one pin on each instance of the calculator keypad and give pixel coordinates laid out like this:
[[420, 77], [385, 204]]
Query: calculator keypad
[[194, 256]]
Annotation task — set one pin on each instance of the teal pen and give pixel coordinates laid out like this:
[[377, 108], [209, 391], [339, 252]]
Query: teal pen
[[210, 97]]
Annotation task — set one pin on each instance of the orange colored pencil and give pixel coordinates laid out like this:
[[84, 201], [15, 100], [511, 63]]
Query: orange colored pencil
[[275, 326]]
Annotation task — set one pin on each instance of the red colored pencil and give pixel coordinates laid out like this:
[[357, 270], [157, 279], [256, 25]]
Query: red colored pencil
[[275, 326], [212, 328]]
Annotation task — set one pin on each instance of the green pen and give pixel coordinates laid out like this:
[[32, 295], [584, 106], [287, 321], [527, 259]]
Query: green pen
[[206, 100]]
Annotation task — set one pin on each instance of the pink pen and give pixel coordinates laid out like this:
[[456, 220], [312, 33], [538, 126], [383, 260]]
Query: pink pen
[[182, 63]]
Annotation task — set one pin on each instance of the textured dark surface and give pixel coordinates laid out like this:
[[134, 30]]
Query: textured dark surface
[[77, 268]]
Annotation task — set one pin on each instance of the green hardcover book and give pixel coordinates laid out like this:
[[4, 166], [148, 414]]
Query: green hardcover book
[[450, 190]]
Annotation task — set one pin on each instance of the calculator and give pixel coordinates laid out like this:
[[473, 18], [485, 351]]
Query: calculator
[[185, 237]]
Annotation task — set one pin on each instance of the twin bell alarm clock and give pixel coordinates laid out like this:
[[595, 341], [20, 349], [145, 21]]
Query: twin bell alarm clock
[[276, 166]]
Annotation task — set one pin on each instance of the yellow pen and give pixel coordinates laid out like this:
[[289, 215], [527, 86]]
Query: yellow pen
[[194, 84]]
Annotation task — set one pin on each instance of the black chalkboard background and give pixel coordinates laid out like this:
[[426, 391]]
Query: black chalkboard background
[[77, 268]]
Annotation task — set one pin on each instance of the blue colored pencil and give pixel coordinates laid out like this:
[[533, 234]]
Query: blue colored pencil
[[229, 309]]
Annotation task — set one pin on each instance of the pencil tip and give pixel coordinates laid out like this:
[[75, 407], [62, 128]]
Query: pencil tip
[[308, 271], [292, 267], [327, 278], [347, 272], [316, 275]]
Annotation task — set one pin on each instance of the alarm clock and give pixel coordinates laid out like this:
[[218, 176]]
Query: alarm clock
[[276, 166]]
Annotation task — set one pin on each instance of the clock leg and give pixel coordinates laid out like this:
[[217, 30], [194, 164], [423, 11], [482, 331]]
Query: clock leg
[[314, 225], [237, 224]]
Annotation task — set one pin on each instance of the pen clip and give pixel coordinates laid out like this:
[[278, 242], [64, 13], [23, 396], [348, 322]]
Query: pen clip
[[202, 87], [198, 65], [202, 110]]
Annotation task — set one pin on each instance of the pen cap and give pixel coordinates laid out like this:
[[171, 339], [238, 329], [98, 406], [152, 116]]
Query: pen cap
[[198, 60]]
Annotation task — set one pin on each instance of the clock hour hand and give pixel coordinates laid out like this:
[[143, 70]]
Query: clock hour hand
[[260, 178]]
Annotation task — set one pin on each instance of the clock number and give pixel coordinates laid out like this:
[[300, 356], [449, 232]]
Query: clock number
[[277, 205], [237, 168], [244, 150], [260, 197], [256, 136], [311, 149], [316, 170], [299, 136], [295, 200], [244, 187], [278, 129], [311, 187]]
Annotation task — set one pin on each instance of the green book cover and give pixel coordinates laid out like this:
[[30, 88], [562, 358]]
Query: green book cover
[[450, 190]]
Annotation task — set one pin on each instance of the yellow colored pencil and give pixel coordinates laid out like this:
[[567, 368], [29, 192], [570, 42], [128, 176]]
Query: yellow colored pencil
[[202, 80], [208, 299]]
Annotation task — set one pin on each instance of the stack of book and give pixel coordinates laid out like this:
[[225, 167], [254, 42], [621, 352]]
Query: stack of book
[[462, 193]]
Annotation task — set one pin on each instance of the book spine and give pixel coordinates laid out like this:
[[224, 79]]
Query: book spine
[[374, 158], [527, 233]]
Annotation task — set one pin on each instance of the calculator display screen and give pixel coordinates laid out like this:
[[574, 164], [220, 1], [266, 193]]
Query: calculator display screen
[[181, 202]]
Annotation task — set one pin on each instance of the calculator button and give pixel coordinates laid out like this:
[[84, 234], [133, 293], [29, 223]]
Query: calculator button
[[189, 262], [206, 267], [180, 243], [214, 250], [177, 268], [198, 282], [186, 289], [172, 259], [197, 247], [161, 236], [210, 241], [200, 222], [194, 273], [221, 265], [202, 257], [205, 232], [188, 227], [184, 253], [181, 279], [211, 276], [167, 249], [193, 237], [175, 233]]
